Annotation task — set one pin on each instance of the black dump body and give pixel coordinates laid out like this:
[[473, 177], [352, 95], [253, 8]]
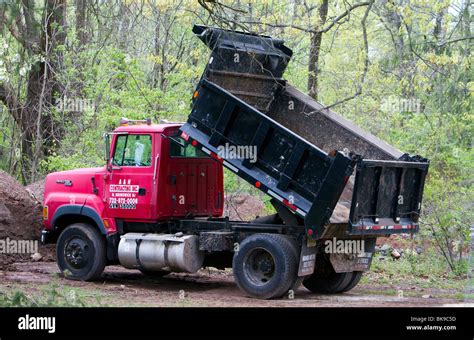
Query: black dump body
[[306, 155]]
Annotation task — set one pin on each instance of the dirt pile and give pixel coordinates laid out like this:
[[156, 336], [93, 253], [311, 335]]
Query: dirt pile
[[20, 223], [243, 207], [36, 190], [246, 207], [342, 210]]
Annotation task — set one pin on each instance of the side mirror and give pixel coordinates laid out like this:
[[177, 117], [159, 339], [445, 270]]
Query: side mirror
[[107, 149]]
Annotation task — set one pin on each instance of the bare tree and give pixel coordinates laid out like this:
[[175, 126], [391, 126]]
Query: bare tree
[[316, 31]]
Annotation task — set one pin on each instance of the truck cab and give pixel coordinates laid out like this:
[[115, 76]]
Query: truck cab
[[151, 177]]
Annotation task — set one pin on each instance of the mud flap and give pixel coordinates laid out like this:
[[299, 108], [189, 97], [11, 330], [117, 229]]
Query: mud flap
[[307, 258], [344, 263]]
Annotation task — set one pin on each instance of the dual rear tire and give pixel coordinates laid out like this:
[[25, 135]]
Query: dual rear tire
[[325, 280], [266, 267]]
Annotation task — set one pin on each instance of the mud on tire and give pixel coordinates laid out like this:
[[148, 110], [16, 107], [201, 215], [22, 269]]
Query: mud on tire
[[81, 252]]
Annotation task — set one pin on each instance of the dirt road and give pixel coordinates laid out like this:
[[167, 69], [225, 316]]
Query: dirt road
[[122, 287]]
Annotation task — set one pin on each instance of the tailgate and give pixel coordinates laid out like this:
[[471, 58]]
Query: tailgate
[[387, 197]]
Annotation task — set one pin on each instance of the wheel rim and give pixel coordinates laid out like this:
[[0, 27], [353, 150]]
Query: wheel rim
[[259, 266], [76, 252]]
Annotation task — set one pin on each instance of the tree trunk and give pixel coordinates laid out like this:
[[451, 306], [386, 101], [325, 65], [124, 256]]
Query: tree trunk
[[314, 53], [156, 53], [33, 116], [124, 23], [81, 22]]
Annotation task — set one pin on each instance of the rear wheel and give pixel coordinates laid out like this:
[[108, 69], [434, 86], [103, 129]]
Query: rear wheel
[[356, 276], [81, 252], [266, 265], [326, 281]]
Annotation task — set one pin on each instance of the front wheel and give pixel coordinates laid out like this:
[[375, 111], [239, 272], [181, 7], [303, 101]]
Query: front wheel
[[81, 252], [266, 265]]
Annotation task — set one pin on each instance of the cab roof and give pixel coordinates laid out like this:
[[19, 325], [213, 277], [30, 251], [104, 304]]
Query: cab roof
[[147, 128]]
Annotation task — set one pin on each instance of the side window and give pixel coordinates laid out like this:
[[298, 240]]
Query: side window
[[132, 150], [178, 148]]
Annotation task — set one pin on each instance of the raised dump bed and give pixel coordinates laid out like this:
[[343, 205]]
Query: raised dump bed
[[251, 67], [243, 101]]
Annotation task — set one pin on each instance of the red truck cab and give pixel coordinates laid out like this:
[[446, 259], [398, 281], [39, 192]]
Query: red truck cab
[[151, 175]]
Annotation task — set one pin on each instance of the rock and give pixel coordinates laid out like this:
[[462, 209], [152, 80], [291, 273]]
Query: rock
[[122, 286], [239, 199], [427, 296], [418, 250], [5, 214], [36, 190], [36, 257], [385, 249], [395, 254]]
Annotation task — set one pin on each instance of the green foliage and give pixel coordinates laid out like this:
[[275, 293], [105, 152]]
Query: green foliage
[[427, 270], [50, 296]]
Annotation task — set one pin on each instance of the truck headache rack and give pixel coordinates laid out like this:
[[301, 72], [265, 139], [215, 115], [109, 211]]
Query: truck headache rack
[[248, 66], [242, 101]]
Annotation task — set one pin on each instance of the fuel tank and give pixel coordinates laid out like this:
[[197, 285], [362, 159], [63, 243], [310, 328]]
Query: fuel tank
[[160, 252]]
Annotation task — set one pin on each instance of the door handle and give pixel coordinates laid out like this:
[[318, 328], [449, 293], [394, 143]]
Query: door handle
[[173, 179], [155, 167]]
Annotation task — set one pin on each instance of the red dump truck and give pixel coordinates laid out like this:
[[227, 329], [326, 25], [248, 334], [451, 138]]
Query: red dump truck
[[157, 203]]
